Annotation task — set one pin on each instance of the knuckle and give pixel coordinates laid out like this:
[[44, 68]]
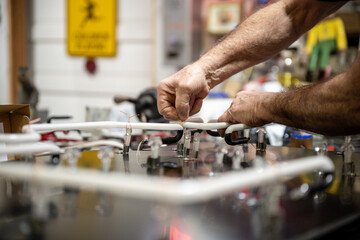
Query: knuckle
[[160, 85], [238, 95], [206, 91], [185, 87], [162, 111]]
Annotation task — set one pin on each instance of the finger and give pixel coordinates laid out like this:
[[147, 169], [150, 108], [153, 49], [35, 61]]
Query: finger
[[197, 106], [166, 107], [221, 132], [169, 113], [167, 110], [234, 135], [182, 101], [191, 103], [226, 117]]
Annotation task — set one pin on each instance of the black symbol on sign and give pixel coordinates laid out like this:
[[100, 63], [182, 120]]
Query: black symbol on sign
[[90, 12]]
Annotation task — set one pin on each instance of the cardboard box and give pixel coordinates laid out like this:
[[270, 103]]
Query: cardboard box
[[14, 117]]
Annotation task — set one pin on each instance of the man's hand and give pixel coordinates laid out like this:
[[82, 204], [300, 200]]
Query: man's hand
[[181, 95], [248, 108]]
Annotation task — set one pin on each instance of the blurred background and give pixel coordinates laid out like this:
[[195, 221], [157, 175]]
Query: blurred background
[[92, 59]]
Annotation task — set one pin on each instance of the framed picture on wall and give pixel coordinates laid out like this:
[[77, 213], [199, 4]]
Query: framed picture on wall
[[223, 17]]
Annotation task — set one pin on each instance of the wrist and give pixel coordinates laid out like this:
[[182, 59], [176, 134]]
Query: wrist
[[208, 63], [210, 69], [267, 106]]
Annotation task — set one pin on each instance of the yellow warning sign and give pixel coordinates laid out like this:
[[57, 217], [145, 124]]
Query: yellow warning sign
[[91, 27]]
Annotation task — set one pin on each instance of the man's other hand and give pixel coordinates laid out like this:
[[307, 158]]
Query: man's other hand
[[247, 108]]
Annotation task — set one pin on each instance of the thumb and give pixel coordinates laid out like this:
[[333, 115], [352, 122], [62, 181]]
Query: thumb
[[226, 117]]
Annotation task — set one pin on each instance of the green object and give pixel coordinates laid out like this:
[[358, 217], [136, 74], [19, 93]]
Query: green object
[[321, 52]]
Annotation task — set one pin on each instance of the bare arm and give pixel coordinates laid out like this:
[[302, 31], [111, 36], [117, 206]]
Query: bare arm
[[331, 107], [261, 36]]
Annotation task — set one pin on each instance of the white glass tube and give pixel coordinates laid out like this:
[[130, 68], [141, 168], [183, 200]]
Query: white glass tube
[[169, 190], [20, 137], [30, 148]]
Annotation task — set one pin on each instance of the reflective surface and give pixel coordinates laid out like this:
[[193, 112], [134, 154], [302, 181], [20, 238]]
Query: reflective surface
[[35, 211]]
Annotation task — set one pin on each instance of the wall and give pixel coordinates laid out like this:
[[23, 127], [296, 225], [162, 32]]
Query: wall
[[65, 87], [4, 63], [163, 70]]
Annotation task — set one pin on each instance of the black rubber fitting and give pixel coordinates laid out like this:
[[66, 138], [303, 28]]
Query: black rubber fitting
[[237, 141], [174, 139]]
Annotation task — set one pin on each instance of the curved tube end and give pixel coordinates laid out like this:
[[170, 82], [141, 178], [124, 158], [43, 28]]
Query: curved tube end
[[237, 141], [174, 139]]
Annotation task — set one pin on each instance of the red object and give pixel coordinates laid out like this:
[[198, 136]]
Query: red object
[[161, 134], [90, 65], [331, 148], [50, 136], [255, 84], [173, 233], [176, 234]]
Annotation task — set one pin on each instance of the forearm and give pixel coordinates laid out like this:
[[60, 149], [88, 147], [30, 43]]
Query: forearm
[[330, 108], [262, 35]]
